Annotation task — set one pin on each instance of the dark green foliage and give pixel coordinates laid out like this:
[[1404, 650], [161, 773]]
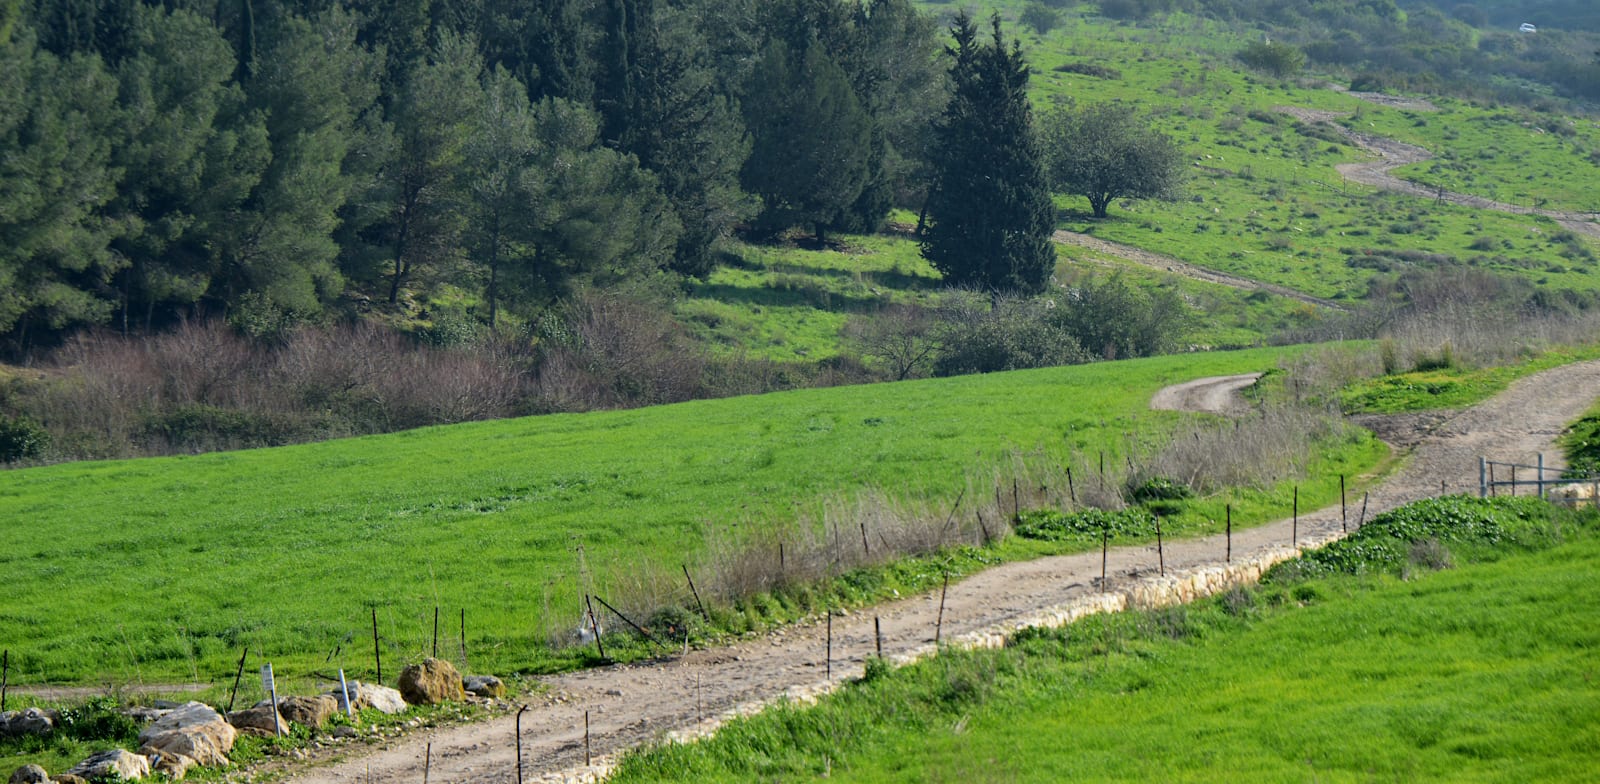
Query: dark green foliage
[[989, 217], [812, 149], [1113, 320], [1039, 16], [1088, 525], [1581, 444], [1159, 488], [21, 438], [1106, 152], [57, 121], [1387, 542], [660, 101], [982, 335], [1279, 59]]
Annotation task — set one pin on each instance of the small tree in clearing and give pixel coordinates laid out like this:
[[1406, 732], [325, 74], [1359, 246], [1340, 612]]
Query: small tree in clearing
[[1106, 152]]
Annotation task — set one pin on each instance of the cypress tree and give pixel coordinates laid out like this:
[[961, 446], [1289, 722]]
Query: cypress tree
[[989, 216]]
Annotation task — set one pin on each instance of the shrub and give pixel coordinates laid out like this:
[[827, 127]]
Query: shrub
[[21, 438], [1088, 525]]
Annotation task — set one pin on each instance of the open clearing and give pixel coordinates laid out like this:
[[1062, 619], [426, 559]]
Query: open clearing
[[628, 705]]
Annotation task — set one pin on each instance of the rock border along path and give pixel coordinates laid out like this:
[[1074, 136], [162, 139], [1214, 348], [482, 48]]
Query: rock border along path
[[687, 696]]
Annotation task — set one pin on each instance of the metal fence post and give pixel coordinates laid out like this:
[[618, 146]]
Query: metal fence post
[[1483, 477]]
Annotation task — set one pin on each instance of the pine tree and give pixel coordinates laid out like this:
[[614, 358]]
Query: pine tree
[[813, 141], [989, 216]]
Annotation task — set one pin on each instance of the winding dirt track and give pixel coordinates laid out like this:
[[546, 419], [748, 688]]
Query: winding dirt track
[[1216, 394], [1179, 267], [1377, 173], [634, 704], [1393, 154]]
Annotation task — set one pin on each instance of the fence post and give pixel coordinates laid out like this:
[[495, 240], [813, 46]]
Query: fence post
[[1344, 513], [1230, 532], [1540, 485], [1294, 536], [1483, 477]]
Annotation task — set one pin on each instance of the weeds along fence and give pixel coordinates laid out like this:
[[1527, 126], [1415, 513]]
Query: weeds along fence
[[1502, 478], [742, 560]]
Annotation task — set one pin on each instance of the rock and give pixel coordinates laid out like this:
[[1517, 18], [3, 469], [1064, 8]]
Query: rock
[[30, 774], [193, 730], [259, 721], [310, 711], [368, 695], [174, 766], [115, 762], [68, 778], [345, 731], [431, 682], [484, 686], [29, 721]]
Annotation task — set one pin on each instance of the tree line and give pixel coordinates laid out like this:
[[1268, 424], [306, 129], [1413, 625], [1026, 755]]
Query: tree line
[[269, 161]]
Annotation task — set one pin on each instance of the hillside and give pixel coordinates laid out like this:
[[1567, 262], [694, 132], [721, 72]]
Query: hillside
[[287, 551]]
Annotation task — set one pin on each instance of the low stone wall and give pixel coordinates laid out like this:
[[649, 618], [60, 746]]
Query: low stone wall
[[1142, 593]]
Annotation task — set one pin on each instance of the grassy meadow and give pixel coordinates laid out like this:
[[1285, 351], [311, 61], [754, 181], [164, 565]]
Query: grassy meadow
[[1471, 661], [163, 569]]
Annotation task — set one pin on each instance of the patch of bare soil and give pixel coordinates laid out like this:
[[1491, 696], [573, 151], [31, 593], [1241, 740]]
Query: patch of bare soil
[[634, 704], [1216, 394]]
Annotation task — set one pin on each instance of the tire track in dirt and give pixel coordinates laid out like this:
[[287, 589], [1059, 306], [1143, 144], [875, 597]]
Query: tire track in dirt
[[628, 705], [1176, 266], [1394, 154]]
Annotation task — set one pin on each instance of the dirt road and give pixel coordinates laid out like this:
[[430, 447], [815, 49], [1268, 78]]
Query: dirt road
[[629, 705], [1176, 266], [1392, 155], [1216, 394]]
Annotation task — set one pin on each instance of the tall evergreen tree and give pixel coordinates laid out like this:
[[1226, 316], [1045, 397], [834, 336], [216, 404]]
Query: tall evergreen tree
[[57, 118], [989, 216], [660, 101], [192, 152], [813, 151], [432, 122], [313, 85]]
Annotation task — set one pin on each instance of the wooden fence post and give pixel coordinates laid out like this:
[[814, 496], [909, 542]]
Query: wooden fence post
[[377, 655], [1344, 516], [938, 625], [1161, 556], [1229, 530]]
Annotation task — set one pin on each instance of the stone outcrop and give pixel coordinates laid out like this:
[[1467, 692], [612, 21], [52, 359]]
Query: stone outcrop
[[486, 686], [30, 774], [193, 730], [29, 721], [431, 682], [115, 762], [173, 766], [311, 711], [369, 695], [261, 721]]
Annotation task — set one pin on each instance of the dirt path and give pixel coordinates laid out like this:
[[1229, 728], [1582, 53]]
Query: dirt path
[[1216, 394], [1393, 154], [1175, 266], [629, 705]]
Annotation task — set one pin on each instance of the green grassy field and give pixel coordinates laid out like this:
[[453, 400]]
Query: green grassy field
[[1265, 201], [1484, 672], [162, 569]]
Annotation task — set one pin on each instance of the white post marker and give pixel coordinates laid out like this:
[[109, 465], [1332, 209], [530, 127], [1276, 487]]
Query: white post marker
[[349, 710], [271, 689]]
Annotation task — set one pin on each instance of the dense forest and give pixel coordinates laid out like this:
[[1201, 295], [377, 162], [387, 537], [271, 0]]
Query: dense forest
[[267, 161]]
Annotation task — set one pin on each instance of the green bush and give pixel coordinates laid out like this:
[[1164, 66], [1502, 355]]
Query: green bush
[[21, 438], [1088, 525]]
